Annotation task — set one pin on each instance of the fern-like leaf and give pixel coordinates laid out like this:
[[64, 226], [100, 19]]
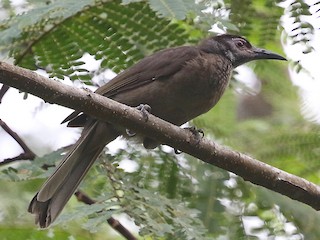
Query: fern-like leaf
[[54, 37]]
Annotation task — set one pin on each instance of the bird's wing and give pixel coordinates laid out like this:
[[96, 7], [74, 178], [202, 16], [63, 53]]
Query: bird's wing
[[158, 66], [155, 67]]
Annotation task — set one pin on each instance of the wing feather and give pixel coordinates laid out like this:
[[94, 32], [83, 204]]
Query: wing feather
[[158, 66]]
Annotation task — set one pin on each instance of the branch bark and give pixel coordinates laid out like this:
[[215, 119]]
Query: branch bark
[[103, 108]]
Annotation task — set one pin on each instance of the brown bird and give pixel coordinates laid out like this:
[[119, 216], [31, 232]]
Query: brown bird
[[178, 84]]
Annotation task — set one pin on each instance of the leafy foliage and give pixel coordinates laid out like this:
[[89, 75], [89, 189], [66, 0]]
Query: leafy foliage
[[57, 38], [14, 232], [173, 9], [301, 31], [141, 199]]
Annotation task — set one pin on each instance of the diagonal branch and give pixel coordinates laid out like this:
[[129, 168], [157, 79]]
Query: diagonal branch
[[106, 109], [114, 223], [3, 91], [26, 155]]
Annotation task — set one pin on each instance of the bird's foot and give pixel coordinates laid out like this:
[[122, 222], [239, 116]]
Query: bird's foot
[[177, 151], [87, 90], [197, 133], [130, 133], [145, 109]]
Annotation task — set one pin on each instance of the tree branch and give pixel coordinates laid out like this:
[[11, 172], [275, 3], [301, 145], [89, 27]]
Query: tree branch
[[26, 155], [3, 91], [114, 223], [106, 109]]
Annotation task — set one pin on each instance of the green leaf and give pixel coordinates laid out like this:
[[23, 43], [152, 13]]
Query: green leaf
[[170, 8], [86, 210]]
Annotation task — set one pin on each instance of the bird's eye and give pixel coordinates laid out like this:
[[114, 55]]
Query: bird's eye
[[239, 44]]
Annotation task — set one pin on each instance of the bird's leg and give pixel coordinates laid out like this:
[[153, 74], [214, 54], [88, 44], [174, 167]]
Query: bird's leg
[[197, 133], [145, 109]]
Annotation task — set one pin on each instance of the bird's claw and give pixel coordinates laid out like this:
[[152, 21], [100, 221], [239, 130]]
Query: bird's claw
[[145, 109], [198, 133], [130, 133], [88, 91], [177, 151]]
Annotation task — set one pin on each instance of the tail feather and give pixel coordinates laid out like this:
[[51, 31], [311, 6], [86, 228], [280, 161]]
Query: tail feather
[[57, 190]]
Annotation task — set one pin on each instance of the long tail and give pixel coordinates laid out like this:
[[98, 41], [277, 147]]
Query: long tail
[[59, 187]]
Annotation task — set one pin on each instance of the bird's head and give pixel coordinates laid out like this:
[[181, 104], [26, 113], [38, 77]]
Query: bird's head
[[237, 49]]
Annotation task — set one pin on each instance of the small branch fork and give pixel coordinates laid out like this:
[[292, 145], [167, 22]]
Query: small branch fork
[[26, 155]]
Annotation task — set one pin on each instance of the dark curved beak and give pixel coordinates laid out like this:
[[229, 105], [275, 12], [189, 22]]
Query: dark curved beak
[[265, 54]]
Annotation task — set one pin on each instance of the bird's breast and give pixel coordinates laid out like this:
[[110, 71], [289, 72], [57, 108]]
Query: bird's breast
[[199, 86]]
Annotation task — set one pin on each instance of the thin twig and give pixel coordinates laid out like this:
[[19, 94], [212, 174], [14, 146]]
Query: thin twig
[[26, 155], [3, 91], [115, 224]]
